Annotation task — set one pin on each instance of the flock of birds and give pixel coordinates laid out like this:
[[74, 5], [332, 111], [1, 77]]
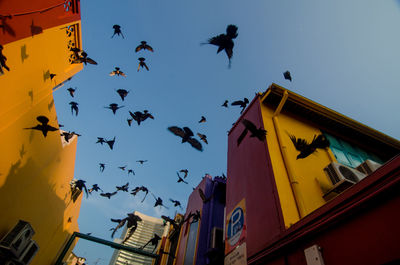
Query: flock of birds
[[223, 42]]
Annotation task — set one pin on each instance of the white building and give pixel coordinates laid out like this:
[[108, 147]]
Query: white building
[[143, 233]]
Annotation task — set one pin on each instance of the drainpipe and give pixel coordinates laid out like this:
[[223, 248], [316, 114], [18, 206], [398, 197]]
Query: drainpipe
[[301, 211]]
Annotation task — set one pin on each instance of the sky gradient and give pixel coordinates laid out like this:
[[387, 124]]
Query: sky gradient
[[341, 54]]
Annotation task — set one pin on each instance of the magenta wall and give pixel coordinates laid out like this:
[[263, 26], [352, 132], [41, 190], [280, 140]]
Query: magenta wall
[[250, 176]]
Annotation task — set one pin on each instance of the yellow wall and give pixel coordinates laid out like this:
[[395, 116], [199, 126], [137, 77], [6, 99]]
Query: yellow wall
[[308, 172], [35, 171]]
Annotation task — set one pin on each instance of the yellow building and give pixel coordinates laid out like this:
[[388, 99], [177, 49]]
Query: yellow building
[[36, 171]]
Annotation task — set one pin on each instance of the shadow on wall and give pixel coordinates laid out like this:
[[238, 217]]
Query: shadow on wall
[[28, 195]]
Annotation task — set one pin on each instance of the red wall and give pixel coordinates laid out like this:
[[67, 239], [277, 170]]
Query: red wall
[[360, 226], [250, 176], [19, 26]]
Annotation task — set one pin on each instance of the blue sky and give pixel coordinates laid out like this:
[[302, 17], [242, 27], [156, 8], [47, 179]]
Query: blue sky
[[342, 54]]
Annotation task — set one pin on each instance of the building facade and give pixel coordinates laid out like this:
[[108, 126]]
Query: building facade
[[297, 210], [201, 237], [35, 171], [144, 232]]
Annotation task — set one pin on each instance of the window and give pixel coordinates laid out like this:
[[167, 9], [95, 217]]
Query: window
[[348, 154], [191, 244]]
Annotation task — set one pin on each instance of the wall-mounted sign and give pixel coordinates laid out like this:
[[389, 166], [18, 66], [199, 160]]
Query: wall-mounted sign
[[235, 227], [238, 256]]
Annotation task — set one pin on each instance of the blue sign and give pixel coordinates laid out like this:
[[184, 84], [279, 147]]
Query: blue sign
[[235, 226]]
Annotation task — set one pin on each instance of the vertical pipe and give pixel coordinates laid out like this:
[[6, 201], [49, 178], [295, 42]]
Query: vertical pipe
[[301, 211]]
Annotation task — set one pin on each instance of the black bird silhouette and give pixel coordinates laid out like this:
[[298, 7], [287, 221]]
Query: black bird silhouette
[[95, 187], [122, 168], [203, 137], [129, 122], [114, 107], [186, 134], [71, 91], [225, 41], [180, 179], [108, 194], [118, 72], [158, 201], [287, 76], [117, 30], [122, 93], [225, 104], [153, 241], [123, 188], [176, 203], [203, 196], [145, 190], [111, 143], [249, 126], [80, 185], [196, 216], [185, 171], [130, 171], [203, 119], [142, 64], [171, 221], [100, 140], [135, 191], [141, 116], [43, 127], [141, 161], [143, 45], [242, 103], [82, 57], [3, 60], [102, 166], [307, 149], [52, 76], [131, 221], [69, 135], [74, 106]]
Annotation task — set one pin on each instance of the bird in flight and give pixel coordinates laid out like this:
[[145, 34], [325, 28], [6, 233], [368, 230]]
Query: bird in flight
[[123, 188], [74, 107], [141, 161], [171, 221], [117, 30], [69, 135], [94, 187], [254, 132], [180, 179], [225, 41], [176, 203], [102, 166], [196, 216], [3, 60], [153, 241], [186, 134], [203, 119], [44, 127], [71, 91], [114, 107], [185, 171], [122, 168], [158, 201], [130, 171], [141, 116], [111, 143], [122, 93], [287, 76], [108, 194], [225, 104], [143, 45], [129, 122], [82, 57], [100, 140], [145, 190], [117, 72], [80, 185], [241, 103], [131, 220], [203, 196], [203, 137], [142, 64], [307, 149]]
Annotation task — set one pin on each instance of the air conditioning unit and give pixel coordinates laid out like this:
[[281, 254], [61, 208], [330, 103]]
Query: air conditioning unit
[[16, 241], [368, 166], [28, 253], [342, 177], [217, 238]]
